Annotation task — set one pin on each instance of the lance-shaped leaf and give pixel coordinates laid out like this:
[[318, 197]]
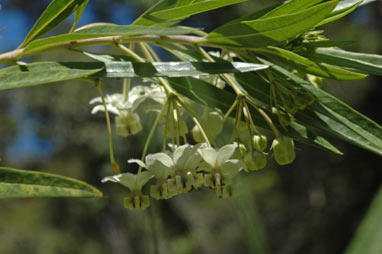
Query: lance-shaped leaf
[[221, 100], [78, 13], [333, 117], [15, 183], [43, 73], [102, 31], [288, 58], [168, 12], [269, 31], [368, 63], [55, 13], [48, 72]]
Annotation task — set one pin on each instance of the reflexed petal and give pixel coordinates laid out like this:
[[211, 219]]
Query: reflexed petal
[[139, 162]]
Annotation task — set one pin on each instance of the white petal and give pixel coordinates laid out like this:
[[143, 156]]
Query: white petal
[[139, 162], [209, 155], [225, 153]]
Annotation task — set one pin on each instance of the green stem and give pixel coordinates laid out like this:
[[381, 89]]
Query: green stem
[[130, 52], [196, 119], [113, 163], [151, 134], [154, 235], [126, 88], [266, 118], [230, 110]]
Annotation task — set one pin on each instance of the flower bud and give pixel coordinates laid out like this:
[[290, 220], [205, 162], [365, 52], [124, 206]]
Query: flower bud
[[197, 134], [255, 160], [283, 149], [260, 142]]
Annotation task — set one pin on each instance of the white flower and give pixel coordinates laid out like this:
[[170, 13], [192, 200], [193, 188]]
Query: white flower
[[221, 164], [135, 183], [116, 103]]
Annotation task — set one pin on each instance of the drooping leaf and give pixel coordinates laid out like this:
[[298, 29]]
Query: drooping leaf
[[367, 239], [362, 62], [221, 100], [56, 12], [289, 58], [335, 118], [269, 31], [15, 183], [43, 73], [78, 13], [102, 31], [48, 72], [169, 12]]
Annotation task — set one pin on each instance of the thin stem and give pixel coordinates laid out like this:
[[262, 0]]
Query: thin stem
[[152, 52], [196, 119], [154, 235], [230, 110], [113, 163], [151, 134], [247, 114], [237, 120], [126, 88], [226, 77], [130, 52], [146, 52], [266, 118]]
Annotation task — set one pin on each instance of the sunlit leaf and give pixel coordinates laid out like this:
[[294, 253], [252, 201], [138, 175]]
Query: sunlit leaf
[[43, 73], [15, 183], [368, 63], [168, 12], [102, 31], [54, 14], [269, 31], [292, 60], [78, 13]]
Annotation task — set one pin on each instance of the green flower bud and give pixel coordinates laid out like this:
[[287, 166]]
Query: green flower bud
[[283, 149], [197, 134], [255, 160], [260, 142], [127, 124], [172, 128]]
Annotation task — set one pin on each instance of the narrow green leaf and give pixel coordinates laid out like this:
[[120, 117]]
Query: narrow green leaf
[[368, 63], [169, 12], [221, 100], [102, 31], [289, 7], [80, 10], [339, 13], [15, 183], [54, 14], [334, 117], [171, 69], [269, 31], [48, 72], [43, 73], [291, 59], [328, 43], [133, 30], [368, 237]]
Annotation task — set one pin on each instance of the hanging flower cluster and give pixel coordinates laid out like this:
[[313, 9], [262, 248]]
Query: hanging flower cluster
[[185, 167]]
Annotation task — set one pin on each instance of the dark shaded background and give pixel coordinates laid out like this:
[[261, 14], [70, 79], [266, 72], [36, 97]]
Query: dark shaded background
[[311, 206]]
